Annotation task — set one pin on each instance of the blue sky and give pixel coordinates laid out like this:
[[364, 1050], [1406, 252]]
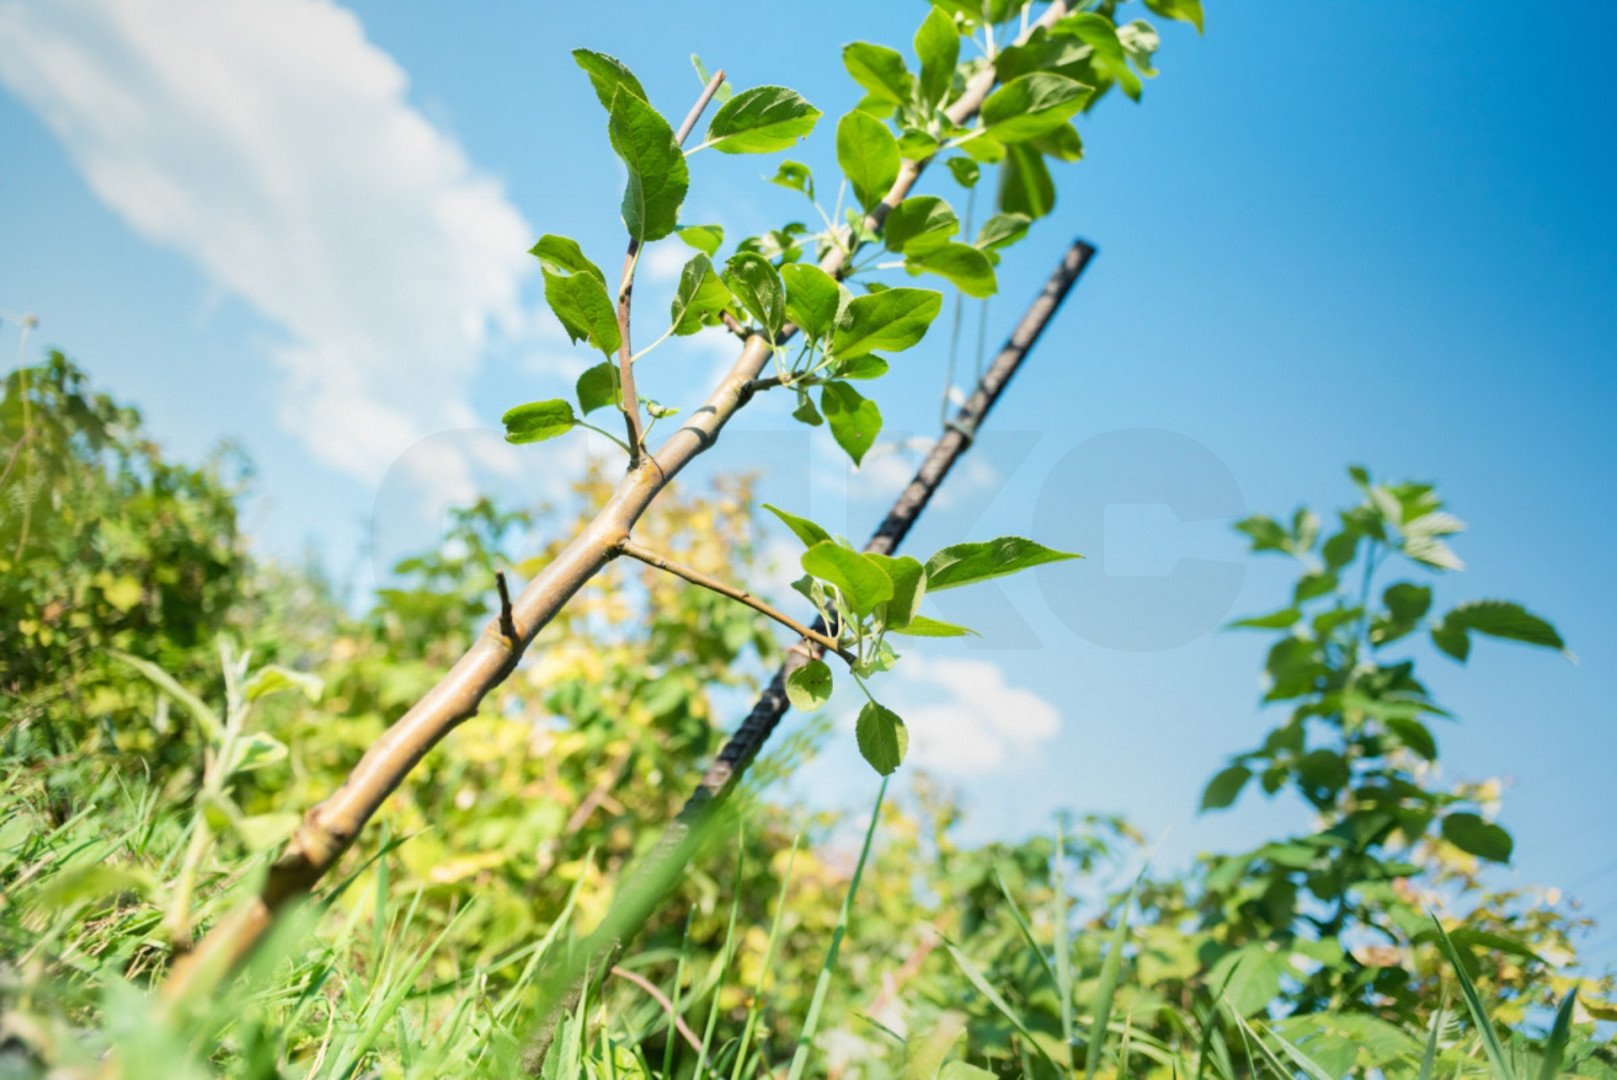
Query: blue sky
[[1330, 233]]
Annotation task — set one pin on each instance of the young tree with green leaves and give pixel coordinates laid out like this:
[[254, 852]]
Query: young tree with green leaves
[[788, 296]]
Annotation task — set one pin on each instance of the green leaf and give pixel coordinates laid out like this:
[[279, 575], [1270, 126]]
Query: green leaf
[[909, 586], [761, 120], [794, 175], [855, 420], [925, 626], [1501, 619], [983, 147], [608, 75], [1250, 976], [586, 312], [960, 1070], [1407, 601], [859, 579], [91, 881], [254, 752], [274, 679], [563, 255], [704, 76], [701, 295], [804, 529], [1455, 642], [1413, 734], [868, 155], [657, 410], [1275, 620], [937, 46], [658, 177], [883, 738], [916, 145], [1032, 105], [1025, 186], [966, 171], [757, 284], [809, 687], [1471, 834], [812, 298], [1225, 787], [1189, 11], [1061, 143], [964, 564], [879, 70], [1002, 230], [704, 238], [862, 367], [805, 411], [597, 388], [1312, 585], [201, 713], [963, 266], [890, 321], [538, 420], [261, 832], [919, 223]]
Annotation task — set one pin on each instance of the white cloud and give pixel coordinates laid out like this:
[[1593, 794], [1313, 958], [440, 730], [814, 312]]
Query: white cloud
[[981, 720], [274, 145], [664, 262]]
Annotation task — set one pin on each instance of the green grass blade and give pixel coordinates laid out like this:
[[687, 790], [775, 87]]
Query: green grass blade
[[1428, 1061], [1060, 910], [1302, 1060], [725, 954], [1473, 1002], [1026, 928], [980, 982], [755, 1009], [1106, 992], [1560, 1035], [822, 985]]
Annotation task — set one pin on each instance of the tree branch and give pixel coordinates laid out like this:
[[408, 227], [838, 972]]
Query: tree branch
[[631, 400], [696, 577], [329, 828]]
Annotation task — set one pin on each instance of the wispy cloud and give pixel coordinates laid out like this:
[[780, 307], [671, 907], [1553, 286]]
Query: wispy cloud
[[275, 146], [980, 720]]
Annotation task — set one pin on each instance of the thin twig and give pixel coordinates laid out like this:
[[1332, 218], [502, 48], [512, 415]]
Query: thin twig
[[631, 400], [508, 625], [662, 999], [599, 794], [696, 577]]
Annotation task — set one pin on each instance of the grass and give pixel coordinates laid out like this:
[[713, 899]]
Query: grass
[[362, 985]]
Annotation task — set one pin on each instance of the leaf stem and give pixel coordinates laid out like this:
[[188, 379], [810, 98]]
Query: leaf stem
[[866, 689], [696, 577], [587, 426]]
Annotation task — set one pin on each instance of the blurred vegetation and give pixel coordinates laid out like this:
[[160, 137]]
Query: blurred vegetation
[[172, 703]]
